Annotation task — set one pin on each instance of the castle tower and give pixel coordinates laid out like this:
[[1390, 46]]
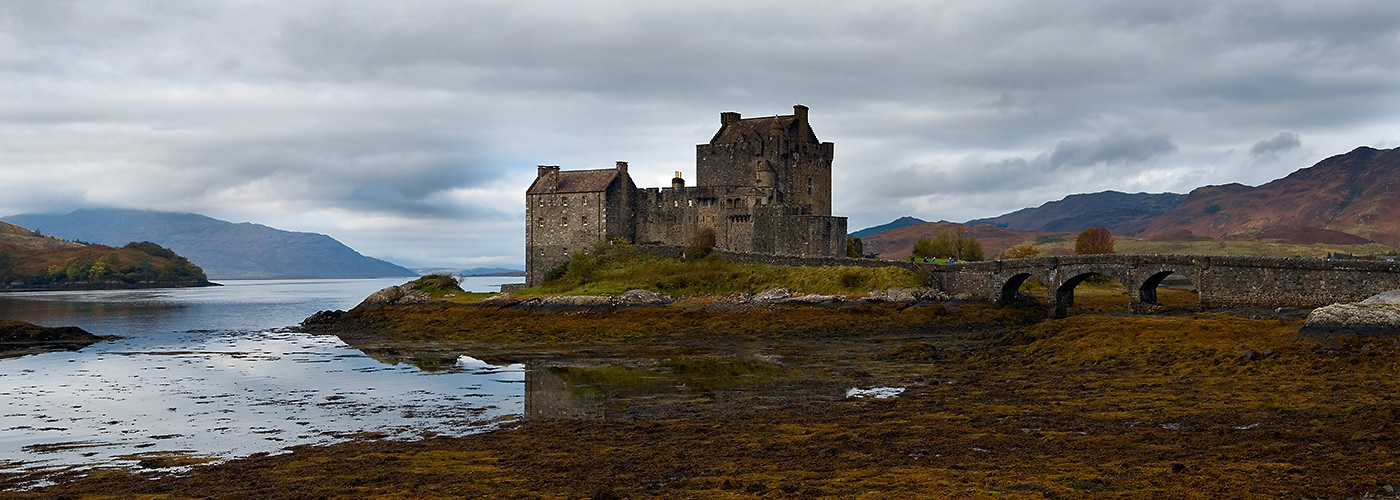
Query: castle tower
[[742, 148]]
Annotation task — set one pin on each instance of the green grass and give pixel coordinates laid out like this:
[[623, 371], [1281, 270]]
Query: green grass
[[444, 287], [616, 271]]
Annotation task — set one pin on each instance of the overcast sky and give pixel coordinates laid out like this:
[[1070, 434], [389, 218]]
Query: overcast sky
[[410, 129]]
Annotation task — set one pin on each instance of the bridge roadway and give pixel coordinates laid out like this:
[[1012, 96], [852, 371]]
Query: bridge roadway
[[1220, 281]]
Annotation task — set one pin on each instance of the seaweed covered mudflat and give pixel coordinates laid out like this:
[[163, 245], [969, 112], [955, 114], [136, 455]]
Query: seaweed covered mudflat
[[927, 401]]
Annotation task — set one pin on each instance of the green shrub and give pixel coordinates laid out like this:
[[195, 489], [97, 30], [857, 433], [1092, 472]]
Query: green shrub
[[701, 245], [437, 284], [151, 249]]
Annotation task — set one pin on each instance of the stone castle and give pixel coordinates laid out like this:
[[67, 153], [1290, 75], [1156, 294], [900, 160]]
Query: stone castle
[[763, 185]]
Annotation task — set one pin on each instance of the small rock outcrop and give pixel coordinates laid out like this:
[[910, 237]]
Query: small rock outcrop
[[644, 298], [907, 295], [18, 337], [399, 294], [770, 296], [1378, 315]]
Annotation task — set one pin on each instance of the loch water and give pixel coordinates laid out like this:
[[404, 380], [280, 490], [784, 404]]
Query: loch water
[[214, 372]]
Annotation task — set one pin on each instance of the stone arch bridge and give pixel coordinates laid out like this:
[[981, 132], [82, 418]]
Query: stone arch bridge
[[1220, 281]]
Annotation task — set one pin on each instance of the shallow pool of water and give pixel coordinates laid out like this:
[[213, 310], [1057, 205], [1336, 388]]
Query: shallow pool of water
[[210, 372]]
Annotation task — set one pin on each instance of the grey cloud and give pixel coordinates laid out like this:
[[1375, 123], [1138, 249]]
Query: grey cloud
[[383, 109], [1116, 149], [1112, 156], [1269, 148]]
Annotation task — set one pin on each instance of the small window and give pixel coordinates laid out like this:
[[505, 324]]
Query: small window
[[564, 221], [585, 200], [583, 220], [809, 186]]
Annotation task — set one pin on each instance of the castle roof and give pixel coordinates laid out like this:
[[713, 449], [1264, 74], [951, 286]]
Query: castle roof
[[574, 181], [749, 129]]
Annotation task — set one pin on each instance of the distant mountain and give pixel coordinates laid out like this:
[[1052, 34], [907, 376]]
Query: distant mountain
[[1350, 198], [224, 250], [895, 224], [1121, 213], [475, 271]]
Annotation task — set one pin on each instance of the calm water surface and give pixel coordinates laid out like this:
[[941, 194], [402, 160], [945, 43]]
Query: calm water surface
[[211, 371]]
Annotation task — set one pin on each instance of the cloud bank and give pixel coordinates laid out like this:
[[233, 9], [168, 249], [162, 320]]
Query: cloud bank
[[409, 130]]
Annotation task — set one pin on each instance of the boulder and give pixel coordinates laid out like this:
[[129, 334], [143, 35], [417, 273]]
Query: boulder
[[899, 295], [771, 295], [813, 299], [499, 300], [644, 298], [399, 294], [322, 318], [1376, 316]]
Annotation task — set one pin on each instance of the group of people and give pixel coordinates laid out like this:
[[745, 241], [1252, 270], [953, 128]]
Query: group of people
[[933, 260]]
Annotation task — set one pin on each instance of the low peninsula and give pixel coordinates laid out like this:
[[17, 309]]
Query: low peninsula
[[31, 261]]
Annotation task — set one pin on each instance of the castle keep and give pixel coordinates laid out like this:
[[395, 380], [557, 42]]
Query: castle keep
[[763, 185]]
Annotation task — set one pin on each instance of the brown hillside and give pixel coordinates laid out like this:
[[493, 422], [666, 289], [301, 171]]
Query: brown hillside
[[898, 243], [20, 238], [29, 260], [1357, 193]]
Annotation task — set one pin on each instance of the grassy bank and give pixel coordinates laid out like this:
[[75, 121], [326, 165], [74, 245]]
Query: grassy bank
[[617, 268], [450, 323]]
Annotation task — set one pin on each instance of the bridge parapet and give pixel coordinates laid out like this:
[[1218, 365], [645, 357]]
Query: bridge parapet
[[1220, 281]]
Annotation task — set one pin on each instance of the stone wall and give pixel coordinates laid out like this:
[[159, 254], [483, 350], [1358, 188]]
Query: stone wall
[[1220, 281]]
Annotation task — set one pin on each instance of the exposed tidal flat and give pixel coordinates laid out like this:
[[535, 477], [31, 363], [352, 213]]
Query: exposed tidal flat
[[204, 375], [932, 399]]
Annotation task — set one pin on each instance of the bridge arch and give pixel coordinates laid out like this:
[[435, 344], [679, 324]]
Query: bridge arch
[[1011, 289], [1149, 301], [1064, 292]]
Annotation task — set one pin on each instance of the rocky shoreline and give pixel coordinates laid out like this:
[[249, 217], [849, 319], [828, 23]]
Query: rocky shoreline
[[105, 285]]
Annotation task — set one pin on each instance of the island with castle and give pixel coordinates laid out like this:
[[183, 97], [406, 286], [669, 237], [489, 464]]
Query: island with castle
[[777, 366], [762, 185]]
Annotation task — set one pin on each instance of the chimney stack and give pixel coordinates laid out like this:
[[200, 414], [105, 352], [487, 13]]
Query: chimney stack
[[803, 130], [622, 168], [727, 118], [677, 182], [550, 174]]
